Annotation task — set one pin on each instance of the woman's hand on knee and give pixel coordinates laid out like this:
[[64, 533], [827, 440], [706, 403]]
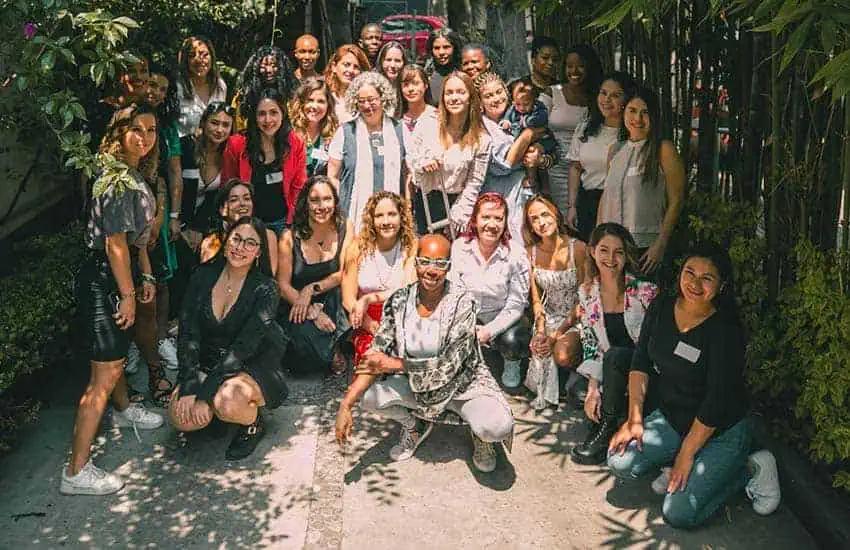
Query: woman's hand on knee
[[681, 472], [593, 403], [201, 413], [628, 432], [540, 345]]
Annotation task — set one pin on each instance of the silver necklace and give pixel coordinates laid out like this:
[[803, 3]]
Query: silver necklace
[[385, 284]]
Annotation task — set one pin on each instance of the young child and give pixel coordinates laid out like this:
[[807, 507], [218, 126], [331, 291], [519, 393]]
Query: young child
[[527, 112]]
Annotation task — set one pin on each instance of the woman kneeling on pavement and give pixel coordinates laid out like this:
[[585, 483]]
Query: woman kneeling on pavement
[[691, 354], [612, 306], [496, 272], [230, 347], [116, 274], [425, 365]]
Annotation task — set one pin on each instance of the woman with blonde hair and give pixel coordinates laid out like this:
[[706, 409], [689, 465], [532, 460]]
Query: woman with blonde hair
[[379, 262], [347, 62], [314, 120], [451, 152]]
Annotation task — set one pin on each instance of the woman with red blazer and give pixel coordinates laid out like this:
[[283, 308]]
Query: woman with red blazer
[[271, 157]]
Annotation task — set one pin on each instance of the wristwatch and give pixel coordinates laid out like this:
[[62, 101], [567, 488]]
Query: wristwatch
[[317, 288]]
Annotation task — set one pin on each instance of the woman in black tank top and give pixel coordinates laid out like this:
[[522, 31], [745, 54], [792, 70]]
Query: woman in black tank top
[[309, 274]]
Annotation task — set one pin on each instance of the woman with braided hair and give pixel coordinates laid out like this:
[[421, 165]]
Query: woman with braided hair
[[268, 67]]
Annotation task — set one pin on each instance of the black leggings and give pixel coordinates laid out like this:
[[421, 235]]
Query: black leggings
[[513, 343], [587, 204]]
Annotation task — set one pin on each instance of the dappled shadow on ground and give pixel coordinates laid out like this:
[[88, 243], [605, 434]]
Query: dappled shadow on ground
[[179, 494], [553, 432]]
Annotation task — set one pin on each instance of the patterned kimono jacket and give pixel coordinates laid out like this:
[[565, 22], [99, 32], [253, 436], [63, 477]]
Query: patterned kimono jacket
[[458, 371], [594, 338]]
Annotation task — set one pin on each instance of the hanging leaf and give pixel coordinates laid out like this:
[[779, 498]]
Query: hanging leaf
[[795, 42], [48, 60], [828, 35]]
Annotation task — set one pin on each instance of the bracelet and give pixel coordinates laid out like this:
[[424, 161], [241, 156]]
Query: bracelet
[[148, 278], [131, 294], [174, 215]]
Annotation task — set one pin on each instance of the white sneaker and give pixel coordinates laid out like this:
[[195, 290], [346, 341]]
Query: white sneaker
[[136, 416], [168, 353], [409, 441], [763, 487], [511, 374], [660, 483], [91, 480], [483, 455], [134, 359]]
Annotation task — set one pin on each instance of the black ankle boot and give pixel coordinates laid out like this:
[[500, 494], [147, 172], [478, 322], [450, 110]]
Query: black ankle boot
[[246, 439], [595, 448]]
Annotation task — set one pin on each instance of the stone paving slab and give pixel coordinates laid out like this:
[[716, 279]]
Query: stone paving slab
[[537, 498], [299, 491], [180, 491]]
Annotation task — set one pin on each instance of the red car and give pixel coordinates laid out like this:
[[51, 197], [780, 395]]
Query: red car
[[399, 27]]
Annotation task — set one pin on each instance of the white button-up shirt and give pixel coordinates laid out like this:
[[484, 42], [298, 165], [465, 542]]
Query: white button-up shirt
[[500, 284], [191, 109]]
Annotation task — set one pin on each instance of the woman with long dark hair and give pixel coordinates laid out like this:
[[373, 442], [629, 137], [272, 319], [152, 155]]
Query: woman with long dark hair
[[590, 151], [568, 106], [444, 50], [691, 353], [392, 57], [268, 67], [116, 274], [612, 305], [645, 185], [270, 156], [309, 274], [313, 116], [198, 83], [230, 346], [416, 101]]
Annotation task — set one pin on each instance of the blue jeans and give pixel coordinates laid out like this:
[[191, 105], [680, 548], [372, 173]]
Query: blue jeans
[[719, 470], [277, 226]]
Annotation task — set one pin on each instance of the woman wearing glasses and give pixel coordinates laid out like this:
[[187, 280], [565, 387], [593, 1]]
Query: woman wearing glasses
[[426, 355], [271, 157], [367, 154], [379, 262], [230, 346]]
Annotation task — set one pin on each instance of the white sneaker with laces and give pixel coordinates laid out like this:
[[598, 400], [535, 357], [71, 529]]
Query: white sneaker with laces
[[168, 353], [511, 375], [90, 480], [763, 488], [660, 483], [137, 416], [483, 455], [134, 359], [409, 441]]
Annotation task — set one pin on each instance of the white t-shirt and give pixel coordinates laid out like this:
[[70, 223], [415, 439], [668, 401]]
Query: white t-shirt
[[422, 334], [592, 154]]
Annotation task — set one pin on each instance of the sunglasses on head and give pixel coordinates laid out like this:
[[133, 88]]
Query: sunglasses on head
[[219, 107]]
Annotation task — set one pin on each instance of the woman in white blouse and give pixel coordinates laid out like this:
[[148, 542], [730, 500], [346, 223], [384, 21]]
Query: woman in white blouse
[[451, 151], [496, 271], [589, 151], [199, 83], [568, 107]]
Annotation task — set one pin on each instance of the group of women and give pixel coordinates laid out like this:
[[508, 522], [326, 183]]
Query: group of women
[[381, 222]]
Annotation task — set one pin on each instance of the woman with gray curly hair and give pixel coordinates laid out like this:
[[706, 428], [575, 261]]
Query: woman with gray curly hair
[[373, 136]]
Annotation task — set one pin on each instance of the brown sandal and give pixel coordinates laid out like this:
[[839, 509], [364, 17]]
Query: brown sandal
[[160, 396]]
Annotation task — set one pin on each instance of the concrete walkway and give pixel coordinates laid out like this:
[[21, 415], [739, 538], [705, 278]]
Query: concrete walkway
[[299, 491]]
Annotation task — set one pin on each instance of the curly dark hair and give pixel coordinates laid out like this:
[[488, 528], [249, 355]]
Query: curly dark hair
[[281, 138], [251, 83], [301, 220], [168, 112]]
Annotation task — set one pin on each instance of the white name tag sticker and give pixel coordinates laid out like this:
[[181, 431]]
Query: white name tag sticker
[[191, 174], [319, 154], [380, 150], [687, 352], [634, 171], [274, 177]]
